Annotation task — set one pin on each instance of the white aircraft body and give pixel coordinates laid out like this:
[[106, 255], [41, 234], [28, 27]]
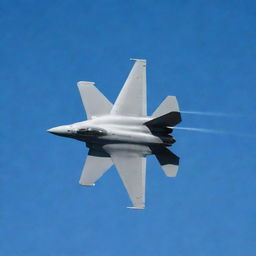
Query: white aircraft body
[[122, 134]]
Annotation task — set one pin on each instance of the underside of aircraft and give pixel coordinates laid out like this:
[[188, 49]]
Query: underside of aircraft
[[123, 134]]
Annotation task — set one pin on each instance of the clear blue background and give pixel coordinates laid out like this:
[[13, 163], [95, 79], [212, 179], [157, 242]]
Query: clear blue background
[[204, 52]]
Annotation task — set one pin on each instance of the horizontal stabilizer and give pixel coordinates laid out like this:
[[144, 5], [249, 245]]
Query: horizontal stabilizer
[[96, 164], [171, 119], [95, 103], [168, 161]]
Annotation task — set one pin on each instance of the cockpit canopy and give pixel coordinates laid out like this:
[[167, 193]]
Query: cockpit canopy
[[90, 131]]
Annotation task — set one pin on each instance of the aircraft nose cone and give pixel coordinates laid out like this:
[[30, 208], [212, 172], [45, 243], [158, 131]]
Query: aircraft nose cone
[[60, 130], [52, 130]]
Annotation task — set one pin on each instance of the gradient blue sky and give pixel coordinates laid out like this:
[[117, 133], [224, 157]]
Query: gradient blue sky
[[204, 52]]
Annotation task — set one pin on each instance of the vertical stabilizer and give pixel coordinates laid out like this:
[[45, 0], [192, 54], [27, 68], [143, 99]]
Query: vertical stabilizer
[[96, 164], [95, 103], [167, 114], [168, 161], [170, 104]]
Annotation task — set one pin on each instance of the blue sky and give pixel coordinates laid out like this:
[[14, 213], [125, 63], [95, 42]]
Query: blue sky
[[203, 52]]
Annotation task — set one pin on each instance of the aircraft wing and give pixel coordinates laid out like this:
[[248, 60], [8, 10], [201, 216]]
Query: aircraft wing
[[96, 164], [132, 101], [131, 167]]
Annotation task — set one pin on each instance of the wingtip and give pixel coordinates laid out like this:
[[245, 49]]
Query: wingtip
[[87, 185], [82, 83], [141, 60], [136, 207]]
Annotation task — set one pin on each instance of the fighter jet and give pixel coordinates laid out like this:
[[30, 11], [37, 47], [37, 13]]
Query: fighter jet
[[123, 134]]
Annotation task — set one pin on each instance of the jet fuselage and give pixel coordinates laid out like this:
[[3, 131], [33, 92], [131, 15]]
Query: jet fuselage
[[114, 130]]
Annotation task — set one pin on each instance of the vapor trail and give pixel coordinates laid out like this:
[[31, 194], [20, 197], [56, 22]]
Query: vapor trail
[[199, 130], [207, 113], [214, 131]]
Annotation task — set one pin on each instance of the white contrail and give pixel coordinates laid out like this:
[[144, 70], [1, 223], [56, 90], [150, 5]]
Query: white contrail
[[213, 131], [199, 130], [207, 113]]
